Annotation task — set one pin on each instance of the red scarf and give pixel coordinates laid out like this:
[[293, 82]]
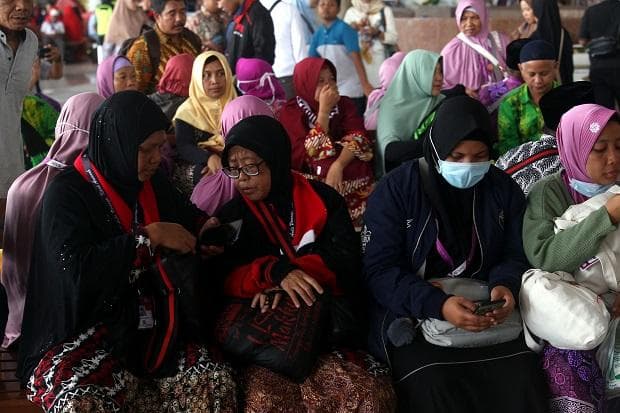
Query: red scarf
[[244, 13], [310, 214], [146, 197]]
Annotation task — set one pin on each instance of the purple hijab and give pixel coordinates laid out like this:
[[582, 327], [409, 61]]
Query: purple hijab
[[578, 131], [462, 64], [255, 77], [386, 74], [105, 74], [213, 191], [24, 201]]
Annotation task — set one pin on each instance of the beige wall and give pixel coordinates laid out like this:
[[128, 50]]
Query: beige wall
[[432, 33]]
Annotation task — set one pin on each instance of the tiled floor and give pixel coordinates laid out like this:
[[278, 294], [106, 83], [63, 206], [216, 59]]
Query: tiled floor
[[77, 78]]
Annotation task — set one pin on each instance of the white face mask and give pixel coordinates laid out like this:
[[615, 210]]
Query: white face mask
[[266, 77], [588, 189], [460, 175]]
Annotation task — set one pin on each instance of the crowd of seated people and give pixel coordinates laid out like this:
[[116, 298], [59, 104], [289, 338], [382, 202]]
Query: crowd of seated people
[[190, 239]]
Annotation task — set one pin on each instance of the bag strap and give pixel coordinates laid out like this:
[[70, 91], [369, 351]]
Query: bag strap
[[427, 184], [383, 22], [152, 43], [308, 24], [479, 49], [495, 42], [561, 46], [273, 6], [526, 162]]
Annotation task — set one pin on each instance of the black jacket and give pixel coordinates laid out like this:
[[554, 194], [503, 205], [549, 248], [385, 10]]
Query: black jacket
[[400, 230], [252, 37]]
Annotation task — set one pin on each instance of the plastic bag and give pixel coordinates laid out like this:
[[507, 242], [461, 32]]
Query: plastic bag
[[608, 358]]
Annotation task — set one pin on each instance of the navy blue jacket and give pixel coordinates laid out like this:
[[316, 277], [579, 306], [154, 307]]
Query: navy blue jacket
[[400, 230]]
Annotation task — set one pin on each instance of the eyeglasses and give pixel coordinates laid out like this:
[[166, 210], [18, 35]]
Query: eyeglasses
[[250, 169]]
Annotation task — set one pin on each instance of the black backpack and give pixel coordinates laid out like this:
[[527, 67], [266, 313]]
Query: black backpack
[[152, 43]]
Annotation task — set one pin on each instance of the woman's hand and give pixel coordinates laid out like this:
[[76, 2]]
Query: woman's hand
[[459, 311], [471, 93], [613, 208], [208, 251], [501, 314], [297, 284], [334, 176], [171, 236], [214, 164], [263, 300], [328, 98]]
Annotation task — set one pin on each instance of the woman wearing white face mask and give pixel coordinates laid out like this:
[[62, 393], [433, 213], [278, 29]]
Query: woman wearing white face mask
[[589, 145], [461, 218]]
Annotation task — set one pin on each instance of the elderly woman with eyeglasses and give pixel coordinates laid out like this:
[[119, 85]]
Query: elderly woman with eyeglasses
[[281, 211]]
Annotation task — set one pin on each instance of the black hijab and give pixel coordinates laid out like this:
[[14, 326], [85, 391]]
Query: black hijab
[[266, 137], [549, 28], [120, 125], [458, 118]]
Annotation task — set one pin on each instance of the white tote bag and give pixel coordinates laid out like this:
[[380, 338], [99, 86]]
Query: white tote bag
[[557, 309]]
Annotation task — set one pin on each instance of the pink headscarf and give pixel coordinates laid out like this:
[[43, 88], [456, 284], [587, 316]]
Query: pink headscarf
[[462, 64], [177, 75], [105, 74], [386, 74], [24, 201], [578, 131], [213, 191], [256, 77]]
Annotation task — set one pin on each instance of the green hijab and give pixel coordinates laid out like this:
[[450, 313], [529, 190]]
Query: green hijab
[[407, 101]]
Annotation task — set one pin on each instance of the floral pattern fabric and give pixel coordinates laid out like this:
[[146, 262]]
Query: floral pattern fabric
[[81, 375], [576, 383], [322, 151], [341, 382]]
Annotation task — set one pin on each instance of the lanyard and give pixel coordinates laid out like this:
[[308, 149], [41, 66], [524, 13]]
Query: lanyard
[[445, 256], [117, 206]]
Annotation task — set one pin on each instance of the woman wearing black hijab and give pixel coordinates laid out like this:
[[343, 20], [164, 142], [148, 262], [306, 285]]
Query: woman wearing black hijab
[[460, 219], [102, 223], [297, 236], [550, 29]]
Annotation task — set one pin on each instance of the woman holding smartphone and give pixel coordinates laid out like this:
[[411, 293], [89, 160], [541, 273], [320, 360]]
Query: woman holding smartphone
[[449, 214]]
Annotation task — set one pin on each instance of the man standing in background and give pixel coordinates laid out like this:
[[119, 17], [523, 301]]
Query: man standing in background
[[18, 50], [599, 22]]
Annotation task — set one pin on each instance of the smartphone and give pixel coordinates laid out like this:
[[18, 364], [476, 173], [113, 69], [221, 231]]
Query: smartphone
[[486, 306], [224, 235], [44, 50]]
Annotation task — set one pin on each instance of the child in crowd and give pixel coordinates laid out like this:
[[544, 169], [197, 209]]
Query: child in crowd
[[377, 30], [209, 23], [337, 41], [53, 27]]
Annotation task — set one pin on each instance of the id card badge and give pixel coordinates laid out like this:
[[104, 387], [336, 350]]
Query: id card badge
[[145, 313]]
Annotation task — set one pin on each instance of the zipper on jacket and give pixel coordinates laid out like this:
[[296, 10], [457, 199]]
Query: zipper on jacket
[[473, 212], [387, 356], [417, 244]]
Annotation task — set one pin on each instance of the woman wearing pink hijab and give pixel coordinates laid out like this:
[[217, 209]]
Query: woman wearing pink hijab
[[115, 74], [256, 77], [386, 74], [475, 56], [24, 200], [589, 145], [215, 190]]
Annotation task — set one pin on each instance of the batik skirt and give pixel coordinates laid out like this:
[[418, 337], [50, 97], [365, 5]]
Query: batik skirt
[[576, 384], [342, 382], [81, 375]]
